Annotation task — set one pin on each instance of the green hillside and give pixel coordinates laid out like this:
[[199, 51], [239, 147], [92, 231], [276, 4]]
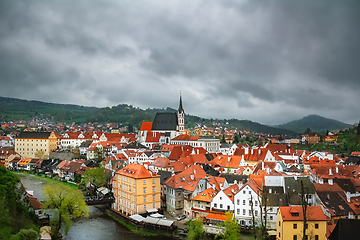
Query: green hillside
[[17, 109], [316, 123]]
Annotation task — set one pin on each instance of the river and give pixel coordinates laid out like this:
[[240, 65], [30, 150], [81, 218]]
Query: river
[[97, 226]]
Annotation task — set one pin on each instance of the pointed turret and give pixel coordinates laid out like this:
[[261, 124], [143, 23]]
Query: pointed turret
[[181, 109]]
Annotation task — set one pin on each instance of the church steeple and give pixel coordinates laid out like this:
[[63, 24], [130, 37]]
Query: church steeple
[[181, 109], [181, 116]]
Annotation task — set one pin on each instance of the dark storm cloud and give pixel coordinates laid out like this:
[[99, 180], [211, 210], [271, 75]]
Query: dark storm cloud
[[267, 61]]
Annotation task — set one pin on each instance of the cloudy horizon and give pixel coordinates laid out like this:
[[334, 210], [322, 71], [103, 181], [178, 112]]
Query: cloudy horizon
[[266, 61]]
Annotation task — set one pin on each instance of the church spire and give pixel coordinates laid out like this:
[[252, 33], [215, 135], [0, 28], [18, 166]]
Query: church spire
[[181, 109]]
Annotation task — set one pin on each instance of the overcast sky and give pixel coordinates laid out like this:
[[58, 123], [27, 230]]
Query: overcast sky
[[265, 61]]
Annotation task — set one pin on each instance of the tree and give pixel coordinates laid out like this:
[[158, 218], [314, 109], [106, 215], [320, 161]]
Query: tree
[[26, 234], [95, 176], [304, 194], [41, 154], [67, 203], [230, 229], [223, 139], [236, 139], [259, 226], [196, 230], [307, 131]]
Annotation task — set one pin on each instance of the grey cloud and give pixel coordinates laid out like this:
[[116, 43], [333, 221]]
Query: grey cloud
[[266, 61]]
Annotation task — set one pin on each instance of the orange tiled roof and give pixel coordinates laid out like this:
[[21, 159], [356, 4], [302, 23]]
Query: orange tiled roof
[[187, 179], [295, 213], [24, 161], [216, 216], [134, 170], [146, 126], [206, 196], [231, 191]]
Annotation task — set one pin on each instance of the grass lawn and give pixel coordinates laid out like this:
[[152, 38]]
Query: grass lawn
[[49, 179]]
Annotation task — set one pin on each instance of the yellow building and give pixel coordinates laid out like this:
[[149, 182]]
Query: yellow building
[[290, 223], [28, 143], [136, 190]]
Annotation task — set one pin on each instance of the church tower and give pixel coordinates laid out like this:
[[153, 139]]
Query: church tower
[[181, 116]]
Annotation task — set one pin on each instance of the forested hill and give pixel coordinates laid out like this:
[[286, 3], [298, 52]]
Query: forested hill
[[16, 109], [315, 123]]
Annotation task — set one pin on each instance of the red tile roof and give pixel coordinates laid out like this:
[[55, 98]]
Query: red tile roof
[[187, 179], [146, 126], [295, 213], [134, 170]]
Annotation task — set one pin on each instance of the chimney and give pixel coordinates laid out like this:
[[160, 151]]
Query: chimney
[[330, 181], [246, 150], [259, 151], [194, 171], [262, 165], [337, 169], [252, 151], [192, 176], [330, 171], [229, 158], [347, 196]]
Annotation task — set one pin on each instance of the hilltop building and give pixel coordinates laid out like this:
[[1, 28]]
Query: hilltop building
[[165, 126]]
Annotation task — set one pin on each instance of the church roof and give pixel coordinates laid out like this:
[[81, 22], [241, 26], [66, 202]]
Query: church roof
[[165, 121]]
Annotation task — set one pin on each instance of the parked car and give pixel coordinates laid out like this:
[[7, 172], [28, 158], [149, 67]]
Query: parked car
[[181, 217]]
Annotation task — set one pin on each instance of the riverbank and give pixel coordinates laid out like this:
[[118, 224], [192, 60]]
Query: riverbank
[[133, 228], [47, 179]]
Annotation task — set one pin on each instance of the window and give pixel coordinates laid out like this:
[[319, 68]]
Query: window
[[316, 237], [153, 181], [221, 206], [134, 181], [295, 237], [144, 189], [256, 213], [220, 198], [271, 218], [144, 207], [244, 202], [249, 212], [244, 211], [144, 199], [144, 182], [153, 205], [279, 223], [244, 192], [215, 205], [238, 211], [153, 197], [316, 226], [153, 189], [294, 226], [306, 227], [238, 202], [256, 203]]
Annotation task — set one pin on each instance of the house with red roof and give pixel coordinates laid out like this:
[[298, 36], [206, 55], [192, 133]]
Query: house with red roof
[[201, 203], [181, 186], [7, 155], [6, 141], [224, 200], [248, 197], [136, 190], [290, 223]]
